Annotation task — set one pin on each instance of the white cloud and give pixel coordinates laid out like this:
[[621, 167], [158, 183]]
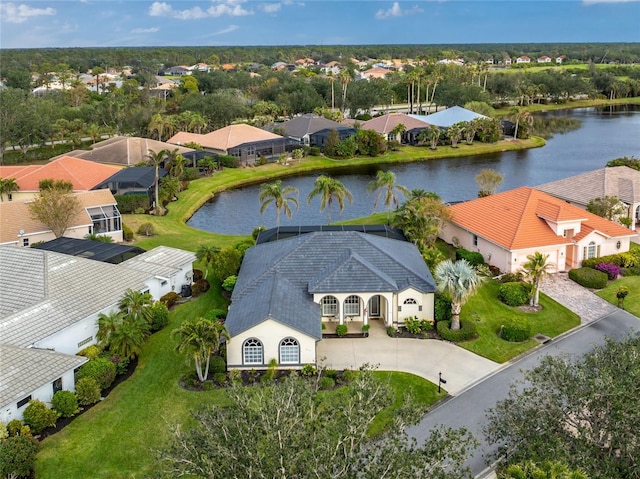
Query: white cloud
[[396, 11], [145, 30], [12, 13], [270, 7], [231, 8], [593, 2], [229, 29]]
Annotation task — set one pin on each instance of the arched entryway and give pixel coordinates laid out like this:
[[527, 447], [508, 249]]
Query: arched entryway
[[377, 309]]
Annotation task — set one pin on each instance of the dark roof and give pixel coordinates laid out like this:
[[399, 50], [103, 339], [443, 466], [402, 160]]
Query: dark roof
[[277, 279], [95, 250], [283, 232], [141, 176], [304, 125]]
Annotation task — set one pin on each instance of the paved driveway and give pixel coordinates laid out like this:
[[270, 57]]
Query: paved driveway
[[423, 357]]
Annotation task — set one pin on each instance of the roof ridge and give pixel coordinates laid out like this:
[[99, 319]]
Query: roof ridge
[[521, 214]]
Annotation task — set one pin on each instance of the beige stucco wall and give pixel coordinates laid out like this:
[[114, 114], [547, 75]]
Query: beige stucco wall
[[270, 333], [423, 309]]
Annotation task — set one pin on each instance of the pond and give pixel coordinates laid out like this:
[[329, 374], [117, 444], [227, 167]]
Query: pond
[[605, 134]]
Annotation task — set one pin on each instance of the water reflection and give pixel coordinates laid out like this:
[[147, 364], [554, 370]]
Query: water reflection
[[605, 134]]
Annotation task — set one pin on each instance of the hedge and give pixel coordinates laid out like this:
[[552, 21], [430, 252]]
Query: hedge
[[130, 203], [589, 278], [627, 259], [442, 307], [467, 331], [514, 294], [472, 257], [515, 330]]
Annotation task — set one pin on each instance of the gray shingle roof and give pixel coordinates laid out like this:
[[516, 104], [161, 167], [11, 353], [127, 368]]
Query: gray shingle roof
[[304, 125], [277, 278], [26, 369], [44, 292]]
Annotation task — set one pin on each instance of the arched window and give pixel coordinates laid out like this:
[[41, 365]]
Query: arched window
[[410, 301], [289, 351], [329, 305], [591, 250], [352, 306], [252, 352]]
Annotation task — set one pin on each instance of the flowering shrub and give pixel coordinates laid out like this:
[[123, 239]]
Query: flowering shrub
[[611, 269]]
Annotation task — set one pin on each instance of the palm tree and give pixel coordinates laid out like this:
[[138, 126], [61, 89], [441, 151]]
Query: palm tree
[[155, 159], [520, 116], [7, 186], [385, 183], [460, 280], [107, 324], [455, 133], [329, 188], [177, 166], [127, 339], [200, 338], [206, 253], [135, 304], [536, 268], [274, 193], [397, 132]]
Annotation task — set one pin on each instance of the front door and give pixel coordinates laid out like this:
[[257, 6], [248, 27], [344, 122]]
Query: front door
[[374, 307]]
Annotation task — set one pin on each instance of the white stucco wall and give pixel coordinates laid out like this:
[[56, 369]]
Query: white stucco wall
[[423, 309], [270, 333]]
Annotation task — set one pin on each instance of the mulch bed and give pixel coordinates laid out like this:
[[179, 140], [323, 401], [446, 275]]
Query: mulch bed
[[403, 333], [530, 309], [62, 422]]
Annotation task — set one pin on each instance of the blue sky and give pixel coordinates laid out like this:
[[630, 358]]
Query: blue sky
[[111, 23]]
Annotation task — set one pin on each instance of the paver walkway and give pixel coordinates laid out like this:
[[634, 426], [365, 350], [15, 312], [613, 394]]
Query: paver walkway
[[422, 357], [577, 298]]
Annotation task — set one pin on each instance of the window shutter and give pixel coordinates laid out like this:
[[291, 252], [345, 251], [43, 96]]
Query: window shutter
[[598, 251], [584, 253]]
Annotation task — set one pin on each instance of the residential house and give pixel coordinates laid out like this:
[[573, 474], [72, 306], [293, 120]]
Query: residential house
[[507, 61], [386, 124], [82, 174], [544, 59], [98, 213], [375, 72], [287, 289], [179, 70], [619, 181], [125, 151], [49, 310], [561, 59], [311, 129], [245, 142], [523, 59], [448, 117], [200, 67], [507, 227], [133, 181]]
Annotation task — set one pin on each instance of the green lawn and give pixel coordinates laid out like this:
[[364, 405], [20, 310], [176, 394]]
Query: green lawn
[[632, 301], [119, 438], [488, 313]]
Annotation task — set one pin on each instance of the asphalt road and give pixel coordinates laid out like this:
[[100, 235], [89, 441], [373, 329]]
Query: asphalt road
[[468, 408]]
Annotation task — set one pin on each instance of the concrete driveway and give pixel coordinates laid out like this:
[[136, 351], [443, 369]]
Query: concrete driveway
[[422, 357]]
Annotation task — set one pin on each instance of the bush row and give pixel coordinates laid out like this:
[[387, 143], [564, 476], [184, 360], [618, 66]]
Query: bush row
[[589, 278], [624, 260], [417, 326], [131, 203], [467, 331]]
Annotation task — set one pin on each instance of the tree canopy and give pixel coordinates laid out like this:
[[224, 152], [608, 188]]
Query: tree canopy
[[55, 208]]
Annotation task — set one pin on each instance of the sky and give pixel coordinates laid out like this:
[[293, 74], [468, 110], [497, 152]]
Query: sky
[[114, 23]]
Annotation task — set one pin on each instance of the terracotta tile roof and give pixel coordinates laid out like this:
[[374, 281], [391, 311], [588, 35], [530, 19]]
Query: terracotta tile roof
[[15, 215], [15, 171], [225, 138], [515, 219], [386, 123], [83, 174]]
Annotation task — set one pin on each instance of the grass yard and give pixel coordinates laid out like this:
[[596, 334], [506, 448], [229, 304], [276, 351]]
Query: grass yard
[[488, 312], [120, 437], [632, 301]]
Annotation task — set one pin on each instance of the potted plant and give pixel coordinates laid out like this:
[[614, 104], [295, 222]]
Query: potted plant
[[365, 329]]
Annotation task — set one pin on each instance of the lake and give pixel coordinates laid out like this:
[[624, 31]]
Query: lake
[[605, 134]]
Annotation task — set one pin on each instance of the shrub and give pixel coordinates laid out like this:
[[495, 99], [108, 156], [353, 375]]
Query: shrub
[[612, 270], [467, 331], [514, 294], [140, 211], [127, 233], [197, 275], [88, 391], [159, 316], [217, 365], [515, 330], [472, 257], [131, 203], [327, 383], [220, 378], [190, 174], [631, 271], [100, 369], [314, 151], [341, 330], [229, 283], [13, 427], [200, 286], [228, 161], [216, 315], [18, 456], [91, 352], [4, 433], [121, 364], [38, 416], [517, 277], [391, 331], [146, 229], [65, 403], [442, 307], [626, 259], [412, 325], [308, 370], [330, 373], [589, 278], [170, 299]]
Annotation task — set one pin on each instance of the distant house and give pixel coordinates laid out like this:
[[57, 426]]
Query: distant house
[[544, 59], [82, 174], [385, 124], [561, 59], [133, 181], [245, 142], [619, 181], [376, 72], [523, 59], [508, 226], [180, 70], [287, 289], [448, 117], [98, 214], [49, 310], [312, 130], [507, 60]]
